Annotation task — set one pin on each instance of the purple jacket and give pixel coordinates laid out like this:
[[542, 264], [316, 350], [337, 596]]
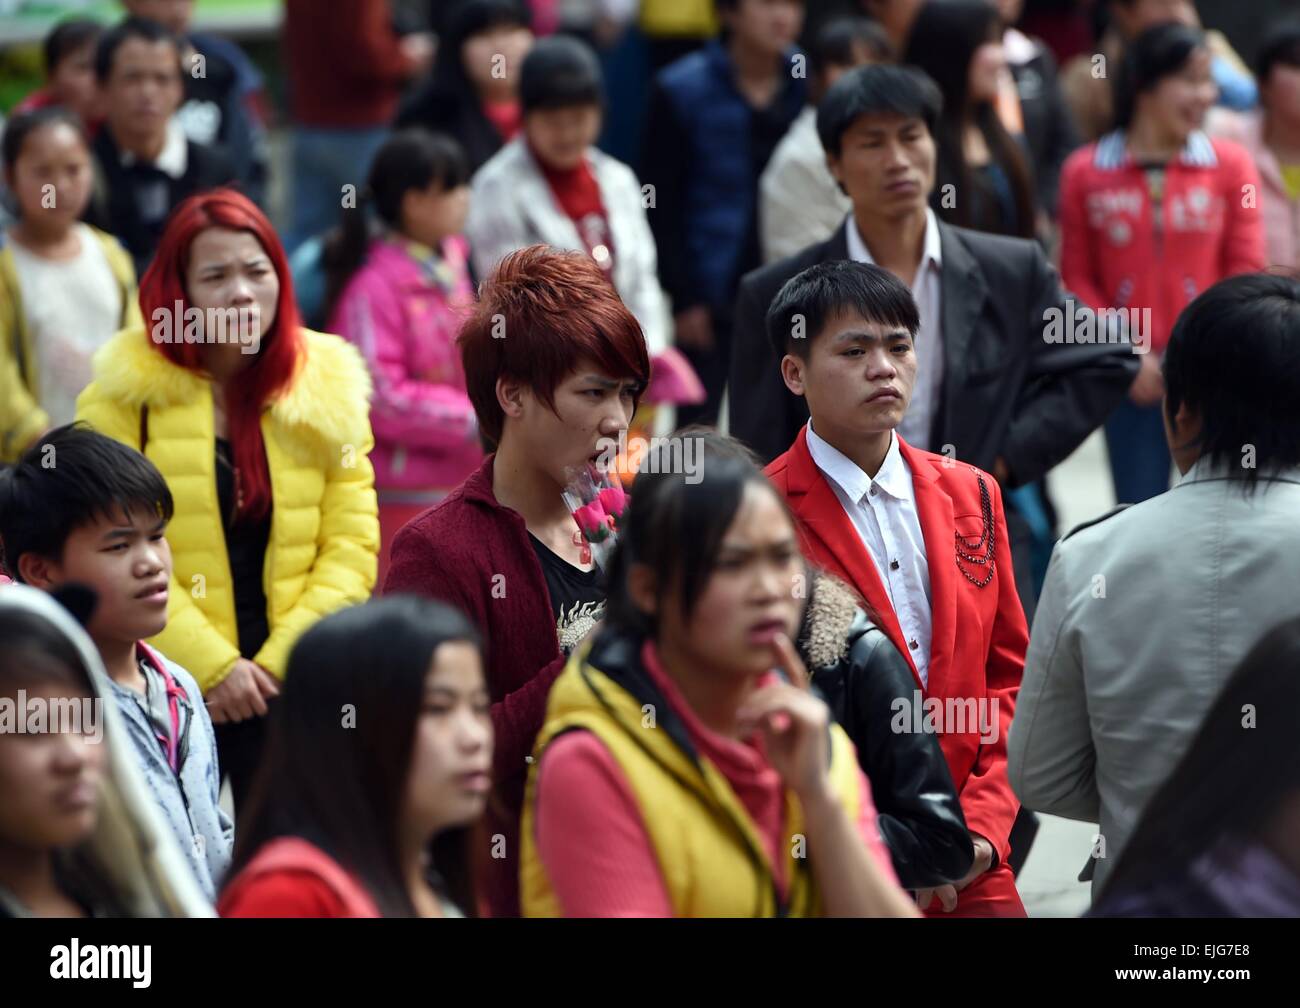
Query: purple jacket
[[405, 325]]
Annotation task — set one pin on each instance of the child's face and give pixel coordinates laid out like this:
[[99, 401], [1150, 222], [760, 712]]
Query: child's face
[[73, 80], [429, 215], [561, 136], [49, 781], [753, 593], [126, 560], [858, 377], [51, 177], [451, 760]]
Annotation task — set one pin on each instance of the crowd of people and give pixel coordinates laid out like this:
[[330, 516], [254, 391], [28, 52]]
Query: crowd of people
[[544, 524]]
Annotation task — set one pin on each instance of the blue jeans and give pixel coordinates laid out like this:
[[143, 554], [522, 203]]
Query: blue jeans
[[324, 161], [1139, 454]]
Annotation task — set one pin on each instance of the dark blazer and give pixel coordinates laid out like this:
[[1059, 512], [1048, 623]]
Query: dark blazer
[[1006, 392]]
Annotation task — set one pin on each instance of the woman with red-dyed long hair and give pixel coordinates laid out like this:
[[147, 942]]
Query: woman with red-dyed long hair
[[261, 429]]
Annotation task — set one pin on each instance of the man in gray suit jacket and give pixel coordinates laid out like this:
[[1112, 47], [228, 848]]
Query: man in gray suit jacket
[[1146, 612]]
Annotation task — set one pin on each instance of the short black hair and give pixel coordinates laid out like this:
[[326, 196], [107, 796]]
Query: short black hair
[[809, 299], [68, 478], [23, 125], [130, 28], [559, 72], [1281, 45], [1159, 52], [1233, 356], [879, 89], [66, 38], [833, 43]]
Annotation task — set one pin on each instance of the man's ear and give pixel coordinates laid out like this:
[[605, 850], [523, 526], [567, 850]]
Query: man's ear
[[792, 372], [510, 397], [641, 588], [833, 166], [38, 571]]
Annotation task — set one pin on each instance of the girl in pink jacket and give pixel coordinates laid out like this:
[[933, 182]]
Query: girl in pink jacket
[[400, 294], [1151, 215]]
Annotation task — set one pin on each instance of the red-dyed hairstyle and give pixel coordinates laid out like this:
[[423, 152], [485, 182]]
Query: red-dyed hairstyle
[[540, 313], [280, 348]]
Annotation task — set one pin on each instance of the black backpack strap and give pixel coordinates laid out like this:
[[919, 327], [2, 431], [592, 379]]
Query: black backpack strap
[[144, 427]]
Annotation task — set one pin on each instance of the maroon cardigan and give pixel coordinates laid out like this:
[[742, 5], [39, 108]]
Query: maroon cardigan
[[474, 553]]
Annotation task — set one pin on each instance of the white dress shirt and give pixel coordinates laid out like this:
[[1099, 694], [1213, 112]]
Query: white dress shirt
[[883, 511], [918, 422]]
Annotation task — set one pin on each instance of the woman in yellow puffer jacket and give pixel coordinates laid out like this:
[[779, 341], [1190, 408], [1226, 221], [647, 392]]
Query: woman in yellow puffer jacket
[[261, 429]]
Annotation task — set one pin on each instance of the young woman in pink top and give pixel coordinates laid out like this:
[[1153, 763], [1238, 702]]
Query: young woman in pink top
[[400, 295]]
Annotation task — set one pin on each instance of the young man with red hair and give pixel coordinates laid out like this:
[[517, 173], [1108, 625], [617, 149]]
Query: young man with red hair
[[554, 364]]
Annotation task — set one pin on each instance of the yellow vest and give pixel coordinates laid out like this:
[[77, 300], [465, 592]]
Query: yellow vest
[[710, 854]]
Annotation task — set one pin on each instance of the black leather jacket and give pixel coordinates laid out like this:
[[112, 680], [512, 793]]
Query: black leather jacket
[[860, 674]]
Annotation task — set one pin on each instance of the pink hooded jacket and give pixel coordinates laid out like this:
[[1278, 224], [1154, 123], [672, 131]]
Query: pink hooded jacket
[[405, 325]]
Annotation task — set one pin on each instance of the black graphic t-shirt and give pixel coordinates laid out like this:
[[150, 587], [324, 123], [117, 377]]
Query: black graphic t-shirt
[[577, 596]]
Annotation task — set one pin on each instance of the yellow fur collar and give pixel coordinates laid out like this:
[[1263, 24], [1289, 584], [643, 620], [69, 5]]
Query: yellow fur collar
[[330, 394]]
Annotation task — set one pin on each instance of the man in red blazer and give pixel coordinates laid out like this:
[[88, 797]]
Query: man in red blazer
[[921, 536]]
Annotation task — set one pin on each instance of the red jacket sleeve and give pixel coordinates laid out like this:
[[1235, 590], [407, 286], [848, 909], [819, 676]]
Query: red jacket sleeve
[[1243, 238], [986, 798]]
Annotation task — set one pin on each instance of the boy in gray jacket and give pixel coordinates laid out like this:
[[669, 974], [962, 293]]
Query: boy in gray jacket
[[81, 508]]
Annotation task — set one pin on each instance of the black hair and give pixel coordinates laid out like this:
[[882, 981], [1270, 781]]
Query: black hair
[[667, 510], [943, 43], [66, 38], [1281, 46], [23, 125], [878, 89], [409, 159], [559, 72], [1234, 358], [808, 300], [68, 478], [833, 43], [1159, 52], [1232, 779], [130, 28], [342, 786], [449, 82]]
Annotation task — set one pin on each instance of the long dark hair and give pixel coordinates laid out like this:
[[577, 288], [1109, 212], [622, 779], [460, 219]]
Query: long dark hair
[[1242, 764], [676, 523], [340, 785], [446, 100], [943, 43], [1159, 52], [409, 159]]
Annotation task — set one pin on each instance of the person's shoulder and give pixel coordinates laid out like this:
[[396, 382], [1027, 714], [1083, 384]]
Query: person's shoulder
[[1080, 159], [502, 168], [1003, 250], [685, 71], [182, 676], [1230, 152], [1095, 523], [774, 274]]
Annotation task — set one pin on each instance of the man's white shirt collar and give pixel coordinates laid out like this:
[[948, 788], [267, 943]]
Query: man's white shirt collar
[[931, 252], [893, 478]]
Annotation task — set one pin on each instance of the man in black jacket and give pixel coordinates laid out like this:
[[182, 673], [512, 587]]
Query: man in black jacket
[[991, 389], [145, 163]]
